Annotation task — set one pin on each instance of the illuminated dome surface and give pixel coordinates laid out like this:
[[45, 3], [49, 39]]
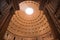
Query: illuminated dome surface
[[22, 24]]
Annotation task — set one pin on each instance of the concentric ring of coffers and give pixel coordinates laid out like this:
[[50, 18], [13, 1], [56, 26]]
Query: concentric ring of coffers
[[29, 25]]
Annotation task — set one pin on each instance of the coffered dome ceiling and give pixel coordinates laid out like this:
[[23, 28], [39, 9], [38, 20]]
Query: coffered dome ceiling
[[33, 25]]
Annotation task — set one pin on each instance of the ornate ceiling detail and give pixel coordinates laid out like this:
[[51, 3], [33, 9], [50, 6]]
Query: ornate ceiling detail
[[29, 25], [43, 24]]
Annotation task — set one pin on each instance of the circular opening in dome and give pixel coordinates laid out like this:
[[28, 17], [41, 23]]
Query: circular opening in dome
[[29, 11]]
